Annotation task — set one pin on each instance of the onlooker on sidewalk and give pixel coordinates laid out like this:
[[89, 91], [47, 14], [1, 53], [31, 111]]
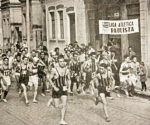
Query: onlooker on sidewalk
[[131, 52], [143, 76]]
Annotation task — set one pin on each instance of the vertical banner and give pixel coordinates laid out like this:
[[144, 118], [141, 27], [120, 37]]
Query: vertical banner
[[118, 26]]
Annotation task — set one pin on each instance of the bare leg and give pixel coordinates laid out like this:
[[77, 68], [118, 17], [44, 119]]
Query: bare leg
[[25, 93], [104, 102], [35, 93], [63, 109]]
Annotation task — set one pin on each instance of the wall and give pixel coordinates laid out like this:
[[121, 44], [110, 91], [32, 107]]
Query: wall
[[145, 31], [80, 22], [1, 33], [36, 17]]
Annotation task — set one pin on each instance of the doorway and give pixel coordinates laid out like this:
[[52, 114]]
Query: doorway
[[72, 27]]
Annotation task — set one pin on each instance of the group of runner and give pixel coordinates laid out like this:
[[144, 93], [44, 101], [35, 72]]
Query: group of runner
[[94, 73]]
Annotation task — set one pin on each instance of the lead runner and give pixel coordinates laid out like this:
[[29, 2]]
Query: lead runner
[[60, 80]]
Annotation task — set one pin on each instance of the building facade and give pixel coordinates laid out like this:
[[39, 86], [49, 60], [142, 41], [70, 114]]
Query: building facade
[[1, 31], [11, 21], [65, 22], [37, 22], [78, 20], [122, 10]]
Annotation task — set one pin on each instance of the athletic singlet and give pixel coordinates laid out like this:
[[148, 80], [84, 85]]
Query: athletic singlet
[[34, 69], [75, 67], [125, 67], [18, 67], [6, 71], [103, 81], [60, 81], [24, 70], [93, 66], [41, 68]]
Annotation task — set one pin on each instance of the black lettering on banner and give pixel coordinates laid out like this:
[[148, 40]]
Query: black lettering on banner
[[122, 30], [112, 24], [132, 29]]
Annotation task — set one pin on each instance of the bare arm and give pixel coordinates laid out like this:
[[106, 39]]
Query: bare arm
[[52, 73]]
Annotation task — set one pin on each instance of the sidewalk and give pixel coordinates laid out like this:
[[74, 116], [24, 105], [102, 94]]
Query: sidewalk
[[143, 93]]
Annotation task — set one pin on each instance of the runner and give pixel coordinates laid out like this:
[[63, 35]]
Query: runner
[[90, 68], [42, 73], [17, 68], [75, 72], [102, 85], [60, 79], [33, 79], [24, 78], [5, 77], [124, 74]]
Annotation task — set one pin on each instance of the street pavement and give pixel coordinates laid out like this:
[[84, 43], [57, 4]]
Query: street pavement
[[81, 111]]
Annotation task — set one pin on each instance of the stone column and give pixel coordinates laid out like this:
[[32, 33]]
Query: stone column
[[124, 38], [145, 31], [1, 33], [28, 23]]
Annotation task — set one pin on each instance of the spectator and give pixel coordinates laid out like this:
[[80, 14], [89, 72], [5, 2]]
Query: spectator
[[57, 51], [143, 76], [131, 52], [42, 47]]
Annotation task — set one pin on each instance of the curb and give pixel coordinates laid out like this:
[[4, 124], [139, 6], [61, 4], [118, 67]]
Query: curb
[[143, 95]]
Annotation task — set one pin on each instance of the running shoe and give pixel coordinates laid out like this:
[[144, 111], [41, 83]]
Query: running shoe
[[4, 100], [35, 101], [62, 122], [42, 94], [107, 119]]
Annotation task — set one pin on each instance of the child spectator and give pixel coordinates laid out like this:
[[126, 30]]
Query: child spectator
[[143, 77]]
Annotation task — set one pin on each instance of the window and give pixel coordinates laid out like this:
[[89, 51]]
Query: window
[[53, 24], [8, 29], [4, 27], [61, 24]]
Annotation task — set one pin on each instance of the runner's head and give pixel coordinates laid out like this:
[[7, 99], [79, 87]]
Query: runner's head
[[93, 55], [61, 61], [33, 53], [25, 60], [35, 60], [134, 59], [126, 58], [8, 52], [23, 52], [102, 68], [18, 57], [6, 60], [26, 50], [75, 55], [42, 55]]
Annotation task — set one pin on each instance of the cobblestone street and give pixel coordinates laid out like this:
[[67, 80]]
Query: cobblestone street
[[81, 111]]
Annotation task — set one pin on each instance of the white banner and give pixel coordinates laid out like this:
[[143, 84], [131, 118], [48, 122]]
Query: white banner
[[118, 26]]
